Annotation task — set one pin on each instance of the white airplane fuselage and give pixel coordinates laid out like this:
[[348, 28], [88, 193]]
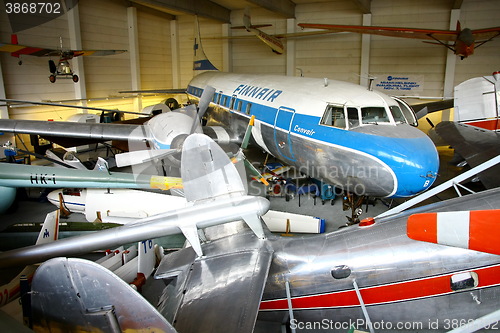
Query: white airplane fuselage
[[342, 133]]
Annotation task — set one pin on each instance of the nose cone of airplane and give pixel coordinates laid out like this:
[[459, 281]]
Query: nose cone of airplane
[[53, 197], [415, 164], [408, 155]]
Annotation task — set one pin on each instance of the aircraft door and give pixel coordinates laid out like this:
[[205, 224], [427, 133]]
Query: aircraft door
[[282, 127]]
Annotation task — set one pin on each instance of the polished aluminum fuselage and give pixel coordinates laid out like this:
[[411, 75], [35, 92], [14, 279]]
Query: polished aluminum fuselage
[[401, 281], [389, 159]]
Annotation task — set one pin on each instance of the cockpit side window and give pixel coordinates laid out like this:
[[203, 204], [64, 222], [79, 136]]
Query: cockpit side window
[[353, 117], [334, 116], [397, 114], [407, 111], [374, 115]]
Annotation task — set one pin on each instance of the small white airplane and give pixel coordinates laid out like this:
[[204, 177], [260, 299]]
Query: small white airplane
[[13, 176]]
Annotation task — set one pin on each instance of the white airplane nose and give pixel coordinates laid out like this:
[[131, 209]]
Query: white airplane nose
[[53, 197]]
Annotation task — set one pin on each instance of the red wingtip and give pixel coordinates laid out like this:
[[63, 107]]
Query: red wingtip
[[422, 227]]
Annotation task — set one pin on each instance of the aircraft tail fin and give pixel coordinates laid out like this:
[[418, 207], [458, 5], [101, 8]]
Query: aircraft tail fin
[[50, 228], [147, 257], [207, 172], [96, 298], [201, 62]]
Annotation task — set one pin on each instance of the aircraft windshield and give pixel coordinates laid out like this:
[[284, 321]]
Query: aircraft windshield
[[397, 114], [374, 115], [334, 116], [353, 117]]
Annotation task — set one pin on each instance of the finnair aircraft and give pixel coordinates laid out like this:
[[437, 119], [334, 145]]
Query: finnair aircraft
[[361, 141]]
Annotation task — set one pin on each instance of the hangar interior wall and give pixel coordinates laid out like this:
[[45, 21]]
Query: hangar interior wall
[[104, 25]]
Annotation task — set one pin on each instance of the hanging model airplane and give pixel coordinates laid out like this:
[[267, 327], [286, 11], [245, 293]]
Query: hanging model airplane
[[63, 67], [274, 41], [463, 41]]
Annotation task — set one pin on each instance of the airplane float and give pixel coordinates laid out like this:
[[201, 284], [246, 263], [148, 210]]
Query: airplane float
[[464, 40], [63, 67]]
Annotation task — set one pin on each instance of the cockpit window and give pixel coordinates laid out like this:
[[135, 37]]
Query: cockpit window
[[397, 114], [334, 116], [353, 117], [407, 111], [374, 115]]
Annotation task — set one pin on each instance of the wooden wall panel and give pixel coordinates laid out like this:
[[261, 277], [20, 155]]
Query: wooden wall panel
[[155, 51], [104, 26]]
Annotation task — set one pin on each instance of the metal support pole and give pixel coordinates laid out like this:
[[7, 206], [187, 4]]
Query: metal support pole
[[289, 301], [363, 307]]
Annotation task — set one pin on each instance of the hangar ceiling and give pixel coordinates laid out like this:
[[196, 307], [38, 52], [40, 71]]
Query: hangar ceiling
[[220, 9]]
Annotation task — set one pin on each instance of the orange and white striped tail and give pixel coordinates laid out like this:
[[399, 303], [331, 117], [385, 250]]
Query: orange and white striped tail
[[474, 230]]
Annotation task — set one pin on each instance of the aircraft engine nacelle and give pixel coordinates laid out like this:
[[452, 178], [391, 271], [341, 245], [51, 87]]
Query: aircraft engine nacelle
[[7, 195], [155, 109], [168, 132]]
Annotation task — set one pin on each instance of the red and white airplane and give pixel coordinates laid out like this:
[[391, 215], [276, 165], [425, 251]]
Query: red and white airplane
[[464, 41]]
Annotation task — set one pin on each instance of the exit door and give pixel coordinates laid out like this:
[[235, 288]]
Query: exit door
[[282, 127]]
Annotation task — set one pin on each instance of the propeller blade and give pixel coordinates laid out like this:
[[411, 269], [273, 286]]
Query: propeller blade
[[255, 172], [141, 156], [205, 99], [248, 133]]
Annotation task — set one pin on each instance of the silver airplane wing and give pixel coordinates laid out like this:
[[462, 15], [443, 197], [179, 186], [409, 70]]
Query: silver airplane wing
[[220, 292], [69, 294], [66, 129], [475, 146]]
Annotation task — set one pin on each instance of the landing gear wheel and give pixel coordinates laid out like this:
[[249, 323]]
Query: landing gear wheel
[[52, 78], [75, 78]]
